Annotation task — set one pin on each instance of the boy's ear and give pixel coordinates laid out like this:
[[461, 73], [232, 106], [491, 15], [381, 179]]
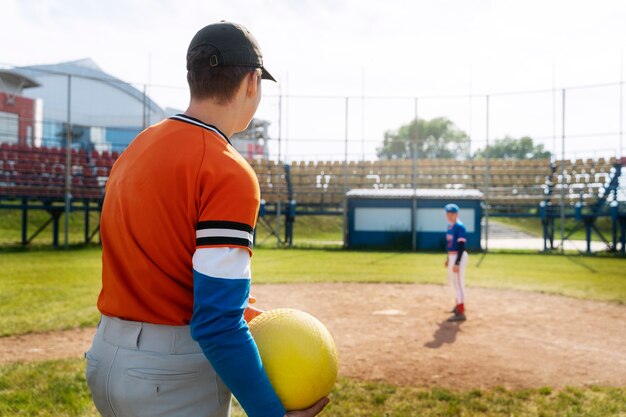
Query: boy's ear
[[252, 80]]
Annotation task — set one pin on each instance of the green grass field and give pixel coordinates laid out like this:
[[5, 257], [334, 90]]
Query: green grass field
[[59, 389], [11, 227], [309, 231], [42, 289], [326, 231], [533, 226]]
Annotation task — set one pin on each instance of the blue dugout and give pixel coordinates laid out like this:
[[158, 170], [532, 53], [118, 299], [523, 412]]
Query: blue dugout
[[385, 218]]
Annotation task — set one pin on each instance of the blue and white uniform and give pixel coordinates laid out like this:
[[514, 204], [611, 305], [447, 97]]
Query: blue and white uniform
[[456, 234], [456, 237]]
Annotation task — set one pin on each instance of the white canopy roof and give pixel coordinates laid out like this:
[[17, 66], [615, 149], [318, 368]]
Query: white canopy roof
[[421, 193]]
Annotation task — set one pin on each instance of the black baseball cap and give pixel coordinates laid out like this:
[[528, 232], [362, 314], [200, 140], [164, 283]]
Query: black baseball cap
[[225, 44]]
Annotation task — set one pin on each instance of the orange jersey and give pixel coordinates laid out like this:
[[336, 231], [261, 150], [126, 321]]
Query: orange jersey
[[179, 186]]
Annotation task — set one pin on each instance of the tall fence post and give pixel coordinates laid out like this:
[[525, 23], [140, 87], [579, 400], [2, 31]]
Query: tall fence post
[[363, 114], [563, 174], [345, 179], [68, 161], [287, 158], [621, 106], [487, 151], [145, 107], [278, 190], [414, 183], [553, 156], [469, 122], [24, 220]]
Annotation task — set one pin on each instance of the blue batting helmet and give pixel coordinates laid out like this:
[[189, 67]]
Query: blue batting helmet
[[451, 208]]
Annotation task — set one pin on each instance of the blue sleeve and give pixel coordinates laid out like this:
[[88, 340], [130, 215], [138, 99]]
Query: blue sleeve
[[218, 326]]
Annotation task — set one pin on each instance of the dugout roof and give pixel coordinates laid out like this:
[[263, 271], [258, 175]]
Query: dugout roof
[[420, 193]]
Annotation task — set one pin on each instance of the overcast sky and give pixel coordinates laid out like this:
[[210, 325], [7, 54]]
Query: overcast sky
[[354, 48]]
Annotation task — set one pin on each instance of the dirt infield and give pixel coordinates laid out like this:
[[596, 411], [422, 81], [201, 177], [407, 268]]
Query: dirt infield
[[398, 333]]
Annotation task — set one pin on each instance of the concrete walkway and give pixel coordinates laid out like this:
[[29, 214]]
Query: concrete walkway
[[537, 244], [502, 236]]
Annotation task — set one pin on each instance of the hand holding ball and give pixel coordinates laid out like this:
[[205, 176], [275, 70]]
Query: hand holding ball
[[298, 354]]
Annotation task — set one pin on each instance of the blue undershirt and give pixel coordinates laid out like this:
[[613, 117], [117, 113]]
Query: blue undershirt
[[218, 326]]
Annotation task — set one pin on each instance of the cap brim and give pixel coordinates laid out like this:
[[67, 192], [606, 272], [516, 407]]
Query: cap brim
[[265, 75]]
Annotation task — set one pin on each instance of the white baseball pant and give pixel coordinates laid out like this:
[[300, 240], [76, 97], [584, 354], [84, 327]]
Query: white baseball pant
[[457, 279], [148, 370]]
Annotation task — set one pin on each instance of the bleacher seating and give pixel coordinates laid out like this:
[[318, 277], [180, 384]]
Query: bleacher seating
[[511, 183], [40, 173]]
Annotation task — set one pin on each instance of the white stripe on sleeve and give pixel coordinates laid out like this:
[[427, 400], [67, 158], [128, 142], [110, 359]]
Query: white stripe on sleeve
[[223, 262], [224, 233]]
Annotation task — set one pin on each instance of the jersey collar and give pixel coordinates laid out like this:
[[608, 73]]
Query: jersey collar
[[192, 120]]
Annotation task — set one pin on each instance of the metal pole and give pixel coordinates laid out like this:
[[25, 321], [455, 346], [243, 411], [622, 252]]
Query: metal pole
[[487, 150], [563, 175], [287, 159], [149, 82], [470, 97], [86, 229], [24, 220], [345, 180], [362, 114], [345, 156], [68, 160], [279, 188], [145, 113], [621, 105], [280, 123], [553, 158], [414, 185]]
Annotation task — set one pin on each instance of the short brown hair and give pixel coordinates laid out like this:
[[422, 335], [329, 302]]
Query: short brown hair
[[218, 83]]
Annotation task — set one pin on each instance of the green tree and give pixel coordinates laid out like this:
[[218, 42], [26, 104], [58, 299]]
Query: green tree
[[437, 138], [511, 148]]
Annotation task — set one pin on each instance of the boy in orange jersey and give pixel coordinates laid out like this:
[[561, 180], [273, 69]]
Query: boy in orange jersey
[[177, 225]]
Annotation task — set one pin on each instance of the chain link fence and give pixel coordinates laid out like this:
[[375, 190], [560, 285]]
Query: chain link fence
[[83, 118]]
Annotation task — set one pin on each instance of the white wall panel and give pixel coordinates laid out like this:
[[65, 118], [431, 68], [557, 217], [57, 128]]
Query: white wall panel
[[434, 219], [378, 219]]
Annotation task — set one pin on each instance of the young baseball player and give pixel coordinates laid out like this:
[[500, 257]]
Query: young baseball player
[[456, 261], [177, 224]]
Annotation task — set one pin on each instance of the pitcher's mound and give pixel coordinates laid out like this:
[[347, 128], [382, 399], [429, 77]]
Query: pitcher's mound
[[398, 333]]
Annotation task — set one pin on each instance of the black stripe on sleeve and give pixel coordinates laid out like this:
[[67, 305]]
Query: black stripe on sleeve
[[219, 241], [221, 224]]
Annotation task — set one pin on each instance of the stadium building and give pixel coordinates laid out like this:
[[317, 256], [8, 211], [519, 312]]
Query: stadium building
[[18, 114], [105, 112]]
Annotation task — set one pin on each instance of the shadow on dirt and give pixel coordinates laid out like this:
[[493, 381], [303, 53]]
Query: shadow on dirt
[[446, 333]]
